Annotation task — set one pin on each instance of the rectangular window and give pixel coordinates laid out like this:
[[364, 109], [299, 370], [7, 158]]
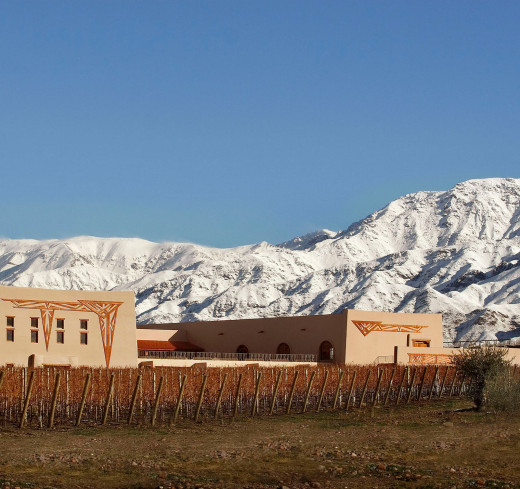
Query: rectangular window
[[60, 337], [83, 338], [60, 323], [421, 343], [34, 336], [34, 322], [83, 323], [10, 328]]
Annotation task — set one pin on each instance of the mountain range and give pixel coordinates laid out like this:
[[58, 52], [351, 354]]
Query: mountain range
[[456, 252]]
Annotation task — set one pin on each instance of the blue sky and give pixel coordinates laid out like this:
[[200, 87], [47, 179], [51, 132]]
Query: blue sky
[[227, 123]]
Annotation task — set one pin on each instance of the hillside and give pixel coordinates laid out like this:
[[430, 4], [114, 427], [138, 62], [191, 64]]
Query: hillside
[[455, 252]]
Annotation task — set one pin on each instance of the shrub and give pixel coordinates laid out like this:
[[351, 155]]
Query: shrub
[[503, 393], [483, 364]]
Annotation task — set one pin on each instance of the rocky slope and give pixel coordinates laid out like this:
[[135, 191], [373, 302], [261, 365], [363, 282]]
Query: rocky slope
[[455, 252]]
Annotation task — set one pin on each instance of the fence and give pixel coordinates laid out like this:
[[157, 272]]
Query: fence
[[46, 397]]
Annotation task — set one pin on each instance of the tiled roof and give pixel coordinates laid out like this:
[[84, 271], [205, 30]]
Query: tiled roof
[[155, 345]]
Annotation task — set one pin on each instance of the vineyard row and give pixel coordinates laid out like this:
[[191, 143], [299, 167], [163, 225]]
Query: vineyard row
[[46, 397]]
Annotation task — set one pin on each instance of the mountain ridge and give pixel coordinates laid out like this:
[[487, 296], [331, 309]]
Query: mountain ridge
[[455, 252]]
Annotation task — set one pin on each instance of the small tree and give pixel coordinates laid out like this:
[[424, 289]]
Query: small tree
[[482, 364]]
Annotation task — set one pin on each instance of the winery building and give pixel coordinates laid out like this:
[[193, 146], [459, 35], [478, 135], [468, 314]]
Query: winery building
[[85, 328]]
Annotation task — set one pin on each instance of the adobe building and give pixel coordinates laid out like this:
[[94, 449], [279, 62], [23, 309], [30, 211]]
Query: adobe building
[[360, 337], [98, 329], [67, 327]]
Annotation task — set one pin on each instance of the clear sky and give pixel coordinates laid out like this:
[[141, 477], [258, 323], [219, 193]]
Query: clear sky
[[233, 122]]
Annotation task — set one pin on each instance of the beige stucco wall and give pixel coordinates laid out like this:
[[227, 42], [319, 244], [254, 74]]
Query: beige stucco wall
[[365, 349], [124, 347], [303, 334]]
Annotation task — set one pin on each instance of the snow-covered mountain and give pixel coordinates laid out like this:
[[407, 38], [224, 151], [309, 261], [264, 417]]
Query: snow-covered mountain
[[455, 252]]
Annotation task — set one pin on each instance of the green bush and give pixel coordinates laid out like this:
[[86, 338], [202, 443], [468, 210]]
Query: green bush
[[503, 392], [482, 364]]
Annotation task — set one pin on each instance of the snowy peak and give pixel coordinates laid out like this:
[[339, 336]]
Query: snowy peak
[[455, 252]]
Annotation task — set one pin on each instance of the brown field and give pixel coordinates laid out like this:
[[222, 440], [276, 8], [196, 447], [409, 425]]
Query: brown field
[[426, 445]]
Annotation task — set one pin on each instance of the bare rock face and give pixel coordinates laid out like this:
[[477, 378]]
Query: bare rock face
[[455, 252]]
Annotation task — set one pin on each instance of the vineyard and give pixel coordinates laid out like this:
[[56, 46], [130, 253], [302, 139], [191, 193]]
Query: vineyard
[[48, 397]]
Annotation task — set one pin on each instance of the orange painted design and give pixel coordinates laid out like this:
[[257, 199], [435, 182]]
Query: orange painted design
[[429, 358], [105, 310], [366, 327]]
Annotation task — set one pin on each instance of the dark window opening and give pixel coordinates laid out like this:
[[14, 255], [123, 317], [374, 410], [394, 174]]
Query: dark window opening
[[60, 337], [60, 323], [10, 322], [34, 336], [283, 349], [10, 335], [326, 352], [83, 324], [83, 338], [242, 349]]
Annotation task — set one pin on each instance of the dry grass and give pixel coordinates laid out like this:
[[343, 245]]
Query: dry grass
[[417, 446]]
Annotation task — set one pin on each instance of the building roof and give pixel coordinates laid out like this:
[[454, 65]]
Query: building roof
[[155, 345]]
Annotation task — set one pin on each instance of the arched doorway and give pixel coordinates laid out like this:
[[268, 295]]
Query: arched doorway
[[242, 349], [283, 349], [326, 352]]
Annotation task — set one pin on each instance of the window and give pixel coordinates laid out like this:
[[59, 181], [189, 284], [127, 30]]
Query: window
[[421, 343], [242, 349], [34, 330], [283, 349], [83, 338], [326, 352], [60, 337], [60, 323], [83, 323], [10, 328]]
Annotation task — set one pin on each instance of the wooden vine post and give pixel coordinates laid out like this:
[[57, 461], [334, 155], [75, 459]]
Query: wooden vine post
[[309, 386], [108, 399], [433, 382], [179, 399], [351, 390], [380, 377], [220, 393], [201, 397], [453, 382], [422, 383], [410, 391], [401, 385], [237, 396], [336, 395], [289, 401], [27, 398], [83, 398], [275, 392], [387, 395], [322, 392], [134, 398], [363, 393], [54, 399], [257, 389], [158, 395], [441, 390]]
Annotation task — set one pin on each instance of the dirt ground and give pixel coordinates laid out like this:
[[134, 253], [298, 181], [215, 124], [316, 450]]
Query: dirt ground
[[442, 444]]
